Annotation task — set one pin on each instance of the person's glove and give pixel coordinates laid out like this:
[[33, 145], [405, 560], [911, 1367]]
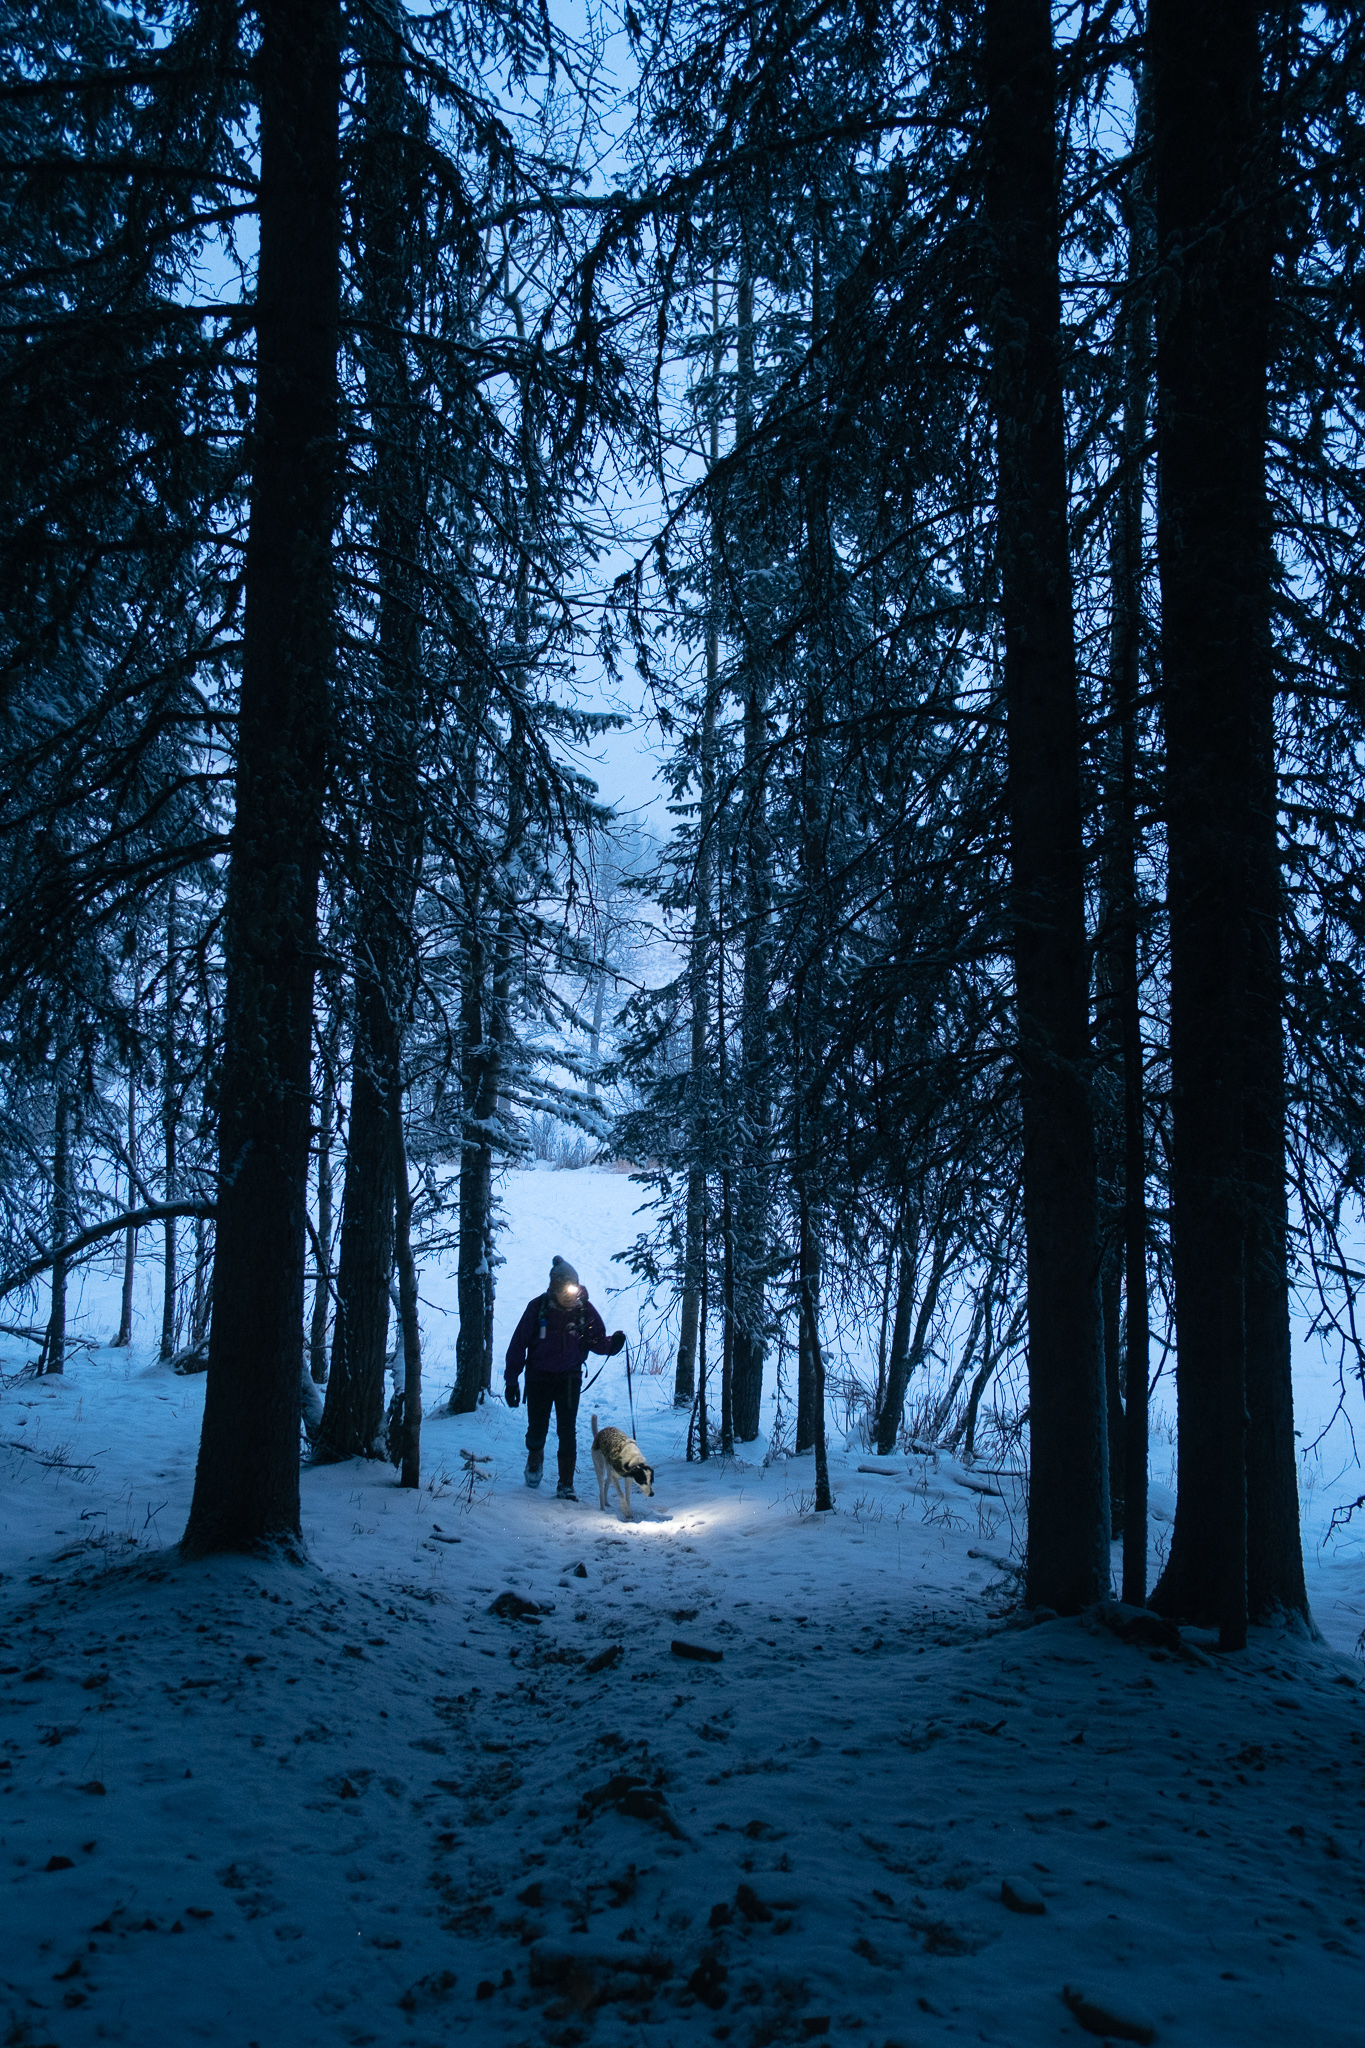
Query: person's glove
[[512, 1393], [616, 1342]]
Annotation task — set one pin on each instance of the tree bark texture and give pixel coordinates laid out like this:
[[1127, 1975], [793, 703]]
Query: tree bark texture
[[1068, 1549], [1214, 547], [246, 1489]]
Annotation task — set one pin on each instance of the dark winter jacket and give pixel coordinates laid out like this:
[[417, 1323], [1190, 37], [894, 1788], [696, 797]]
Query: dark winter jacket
[[569, 1335]]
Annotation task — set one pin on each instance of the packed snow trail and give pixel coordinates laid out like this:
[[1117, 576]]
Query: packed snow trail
[[343, 1802]]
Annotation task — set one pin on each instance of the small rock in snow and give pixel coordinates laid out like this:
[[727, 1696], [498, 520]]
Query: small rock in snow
[[1100, 2019], [1020, 1896]]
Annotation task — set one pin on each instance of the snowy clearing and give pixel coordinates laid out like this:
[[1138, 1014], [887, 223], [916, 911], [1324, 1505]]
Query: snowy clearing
[[343, 1802]]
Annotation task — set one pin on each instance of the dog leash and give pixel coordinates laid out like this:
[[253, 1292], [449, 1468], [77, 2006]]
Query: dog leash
[[630, 1393], [595, 1378]]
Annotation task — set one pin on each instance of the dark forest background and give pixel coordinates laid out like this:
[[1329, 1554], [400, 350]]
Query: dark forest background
[[995, 371]]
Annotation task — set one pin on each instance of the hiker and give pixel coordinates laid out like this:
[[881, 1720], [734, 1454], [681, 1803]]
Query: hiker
[[555, 1335]]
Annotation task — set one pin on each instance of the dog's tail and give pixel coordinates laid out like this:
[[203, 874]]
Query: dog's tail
[[594, 1425]]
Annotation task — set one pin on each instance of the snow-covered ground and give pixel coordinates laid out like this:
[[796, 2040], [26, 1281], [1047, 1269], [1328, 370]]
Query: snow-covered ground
[[343, 1802]]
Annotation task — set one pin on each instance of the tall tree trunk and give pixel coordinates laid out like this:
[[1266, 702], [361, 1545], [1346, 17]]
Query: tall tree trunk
[[599, 996], [486, 1030], [807, 1102], [203, 1281], [703, 1420], [125, 1320], [1275, 1581], [979, 1385], [384, 895], [246, 1489], [807, 1324], [500, 1016], [1214, 547], [698, 1088], [410, 1433], [980, 1332], [808, 1086], [751, 1194], [727, 1206], [727, 1348], [888, 1420], [354, 1406], [170, 1117], [504, 953], [706, 871], [472, 1365], [322, 1285], [685, 1369], [907, 1353], [1068, 1540], [1125, 661], [1111, 1310], [812, 1349], [54, 1348]]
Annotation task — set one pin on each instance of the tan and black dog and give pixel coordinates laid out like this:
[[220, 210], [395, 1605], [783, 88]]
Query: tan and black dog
[[618, 1457]]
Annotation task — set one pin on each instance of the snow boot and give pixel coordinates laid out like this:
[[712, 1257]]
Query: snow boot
[[534, 1467], [564, 1490]]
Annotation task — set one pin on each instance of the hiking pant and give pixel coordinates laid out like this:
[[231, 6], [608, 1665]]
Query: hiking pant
[[557, 1390]]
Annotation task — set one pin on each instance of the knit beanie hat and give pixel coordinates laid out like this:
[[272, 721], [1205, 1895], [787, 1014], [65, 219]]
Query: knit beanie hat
[[562, 1275]]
